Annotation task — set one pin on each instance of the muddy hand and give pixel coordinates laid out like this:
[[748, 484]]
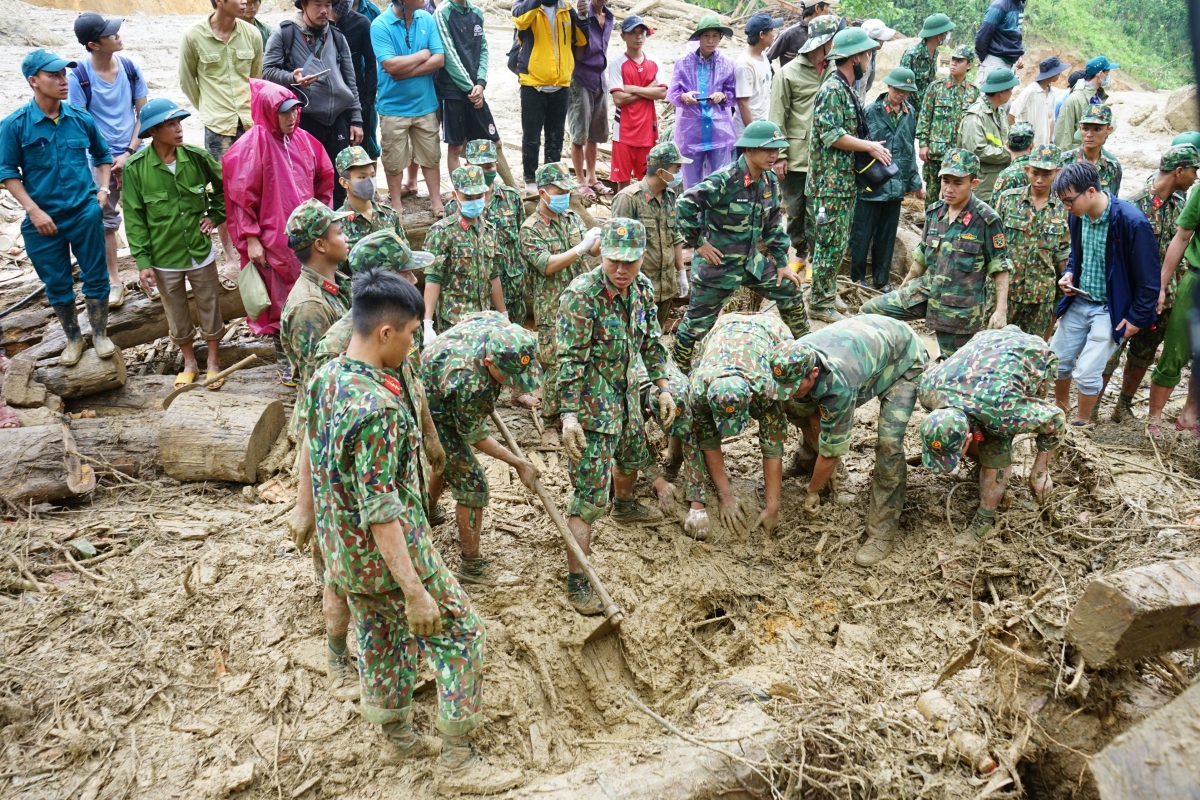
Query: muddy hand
[[528, 473], [769, 520], [812, 503], [696, 524], [666, 494], [1041, 484], [574, 440], [666, 409], [301, 526], [436, 455], [731, 513], [422, 614]]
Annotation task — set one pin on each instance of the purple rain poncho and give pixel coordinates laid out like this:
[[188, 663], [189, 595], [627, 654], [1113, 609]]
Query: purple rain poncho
[[706, 126]]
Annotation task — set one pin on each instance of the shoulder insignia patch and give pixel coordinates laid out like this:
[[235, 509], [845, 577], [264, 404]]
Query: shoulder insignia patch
[[391, 384], [966, 218], [998, 241], [825, 413]]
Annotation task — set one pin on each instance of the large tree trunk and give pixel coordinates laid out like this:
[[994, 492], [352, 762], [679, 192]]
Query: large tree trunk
[[127, 443], [206, 436], [42, 464], [91, 375], [146, 392], [1155, 758]]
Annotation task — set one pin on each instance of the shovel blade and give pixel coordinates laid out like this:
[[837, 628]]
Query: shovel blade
[[610, 625]]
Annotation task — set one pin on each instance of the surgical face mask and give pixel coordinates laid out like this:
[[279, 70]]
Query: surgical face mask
[[858, 71], [1107, 78], [675, 178], [364, 189], [489, 176], [558, 203], [471, 208]]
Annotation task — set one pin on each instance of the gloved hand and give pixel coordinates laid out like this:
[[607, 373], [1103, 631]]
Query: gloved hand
[[696, 524], [430, 333], [574, 440], [666, 409], [682, 279], [589, 241]]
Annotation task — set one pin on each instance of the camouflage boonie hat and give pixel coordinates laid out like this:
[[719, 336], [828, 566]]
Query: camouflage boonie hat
[[1181, 155], [623, 239], [469, 180], [386, 249], [480, 151], [1187, 137], [966, 52], [792, 362], [1045, 156], [1097, 115], [352, 157], [309, 222], [1020, 136], [942, 435], [729, 398], [513, 351], [554, 174], [666, 154], [959, 162], [820, 31]]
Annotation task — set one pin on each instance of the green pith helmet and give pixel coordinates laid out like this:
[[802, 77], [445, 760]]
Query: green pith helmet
[[1045, 156], [962, 163], [1187, 137], [353, 156], [902, 78], [623, 239], [309, 222], [851, 42], [513, 351], [711, 22], [935, 25], [762, 134], [943, 432], [386, 249], [999, 80]]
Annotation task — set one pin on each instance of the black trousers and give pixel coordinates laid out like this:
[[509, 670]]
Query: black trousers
[[874, 227], [542, 111], [334, 138]]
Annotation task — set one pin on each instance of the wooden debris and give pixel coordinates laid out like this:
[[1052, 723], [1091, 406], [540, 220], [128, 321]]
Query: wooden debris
[[42, 464], [91, 375], [1155, 758], [218, 437]]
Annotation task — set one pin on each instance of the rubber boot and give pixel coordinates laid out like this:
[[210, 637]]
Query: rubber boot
[[70, 325], [972, 538], [840, 304], [463, 771], [631, 510], [473, 570], [404, 744], [581, 596], [97, 311], [1123, 410], [343, 679], [826, 314], [674, 459], [876, 548]]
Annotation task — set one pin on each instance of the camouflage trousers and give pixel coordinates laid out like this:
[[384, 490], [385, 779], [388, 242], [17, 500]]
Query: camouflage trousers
[[799, 221], [1142, 346], [691, 469], [711, 288], [463, 472], [547, 356], [899, 305], [592, 474], [832, 239], [933, 182], [890, 479], [388, 652], [1033, 318], [514, 297]]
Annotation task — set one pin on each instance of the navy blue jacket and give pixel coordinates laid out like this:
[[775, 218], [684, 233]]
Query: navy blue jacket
[[1133, 275], [1000, 33]]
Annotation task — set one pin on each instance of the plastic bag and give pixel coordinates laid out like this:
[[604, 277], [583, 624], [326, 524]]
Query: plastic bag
[[253, 291]]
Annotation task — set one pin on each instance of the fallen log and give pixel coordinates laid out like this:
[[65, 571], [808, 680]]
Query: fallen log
[[21, 389], [1156, 757], [41, 464], [145, 392], [91, 375], [206, 436], [127, 443], [1138, 612]]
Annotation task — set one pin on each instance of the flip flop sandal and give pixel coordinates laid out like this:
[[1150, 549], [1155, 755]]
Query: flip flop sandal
[[588, 192], [212, 385], [1179, 426], [1154, 430], [184, 379], [226, 281], [600, 188]]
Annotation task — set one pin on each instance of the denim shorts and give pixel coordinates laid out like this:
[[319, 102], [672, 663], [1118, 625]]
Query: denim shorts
[[1083, 343]]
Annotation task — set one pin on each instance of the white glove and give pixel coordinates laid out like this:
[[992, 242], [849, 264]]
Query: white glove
[[696, 524], [430, 335], [589, 241], [574, 440], [682, 280]]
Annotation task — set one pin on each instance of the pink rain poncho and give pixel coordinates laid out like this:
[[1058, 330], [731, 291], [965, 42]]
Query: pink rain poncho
[[707, 125], [266, 176]]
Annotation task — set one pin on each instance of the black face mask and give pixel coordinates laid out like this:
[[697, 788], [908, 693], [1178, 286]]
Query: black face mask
[[549, 2], [858, 71]]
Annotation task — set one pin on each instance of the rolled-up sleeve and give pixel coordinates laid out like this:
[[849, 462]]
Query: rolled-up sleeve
[[375, 470]]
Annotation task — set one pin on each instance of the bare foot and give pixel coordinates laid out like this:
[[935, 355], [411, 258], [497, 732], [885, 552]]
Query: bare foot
[[8, 417]]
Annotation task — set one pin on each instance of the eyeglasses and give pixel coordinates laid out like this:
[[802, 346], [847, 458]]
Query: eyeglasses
[[1070, 201]]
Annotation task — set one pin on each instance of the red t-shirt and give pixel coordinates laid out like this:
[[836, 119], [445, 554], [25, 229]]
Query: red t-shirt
[[635, 124]]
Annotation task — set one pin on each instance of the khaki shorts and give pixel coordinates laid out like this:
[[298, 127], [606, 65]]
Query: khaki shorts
[[112, 211], [173, 291], [409, 139], [587, 115]]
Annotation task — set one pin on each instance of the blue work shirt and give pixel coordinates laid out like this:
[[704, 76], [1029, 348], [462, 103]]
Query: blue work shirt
[[112, 103], [52, 158], [390, 37]]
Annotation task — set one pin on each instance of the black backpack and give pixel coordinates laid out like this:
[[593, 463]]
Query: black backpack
[[85, 83]]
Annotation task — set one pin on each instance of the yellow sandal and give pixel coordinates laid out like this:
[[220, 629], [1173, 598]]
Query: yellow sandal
[[214, 385], [184, 379]]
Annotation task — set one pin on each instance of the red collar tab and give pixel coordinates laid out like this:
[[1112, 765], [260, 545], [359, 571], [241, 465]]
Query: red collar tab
[[747, 180], [462, 222], [966, 218], [391, 384], [330, 287], [1158, 201]]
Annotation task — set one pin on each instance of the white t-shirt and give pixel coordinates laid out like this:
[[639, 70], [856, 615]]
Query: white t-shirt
[[753, 77], [1036, 106]]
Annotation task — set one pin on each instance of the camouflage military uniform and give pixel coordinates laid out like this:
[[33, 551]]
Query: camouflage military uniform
[[691, 469], [542, 237], [364, 446], [462, 393], [959, 257], [356, 226], [740, 346], [1011, 177], [636, 201], [313, 305], [999, 380], [599, 335], [983, 131], [464, 264], [1038, 244], [832, 185], [740, 217], [1111, 171], [924, 67], [860, 359], [941, 113]]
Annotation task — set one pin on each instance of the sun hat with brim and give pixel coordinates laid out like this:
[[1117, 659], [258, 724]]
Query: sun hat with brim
[[1050, 67], [42, 60], [851, 42], [710, 22], [157, 111], [762, 134], [999, 80], [962, 163], [820, 30], [386, 249], [513, 351], [878, 30], [1180, 155], [1045, 156], [623, 239], [902, 78], [942, 435], [1187, 137], [935, 25], [792, 362], [554, 173], [729, 398]]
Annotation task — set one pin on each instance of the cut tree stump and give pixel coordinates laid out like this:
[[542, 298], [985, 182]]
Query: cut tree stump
[[21, 388], [1155, 758], [210, 436], [41, 464], [91, 375], [1137, 613]]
